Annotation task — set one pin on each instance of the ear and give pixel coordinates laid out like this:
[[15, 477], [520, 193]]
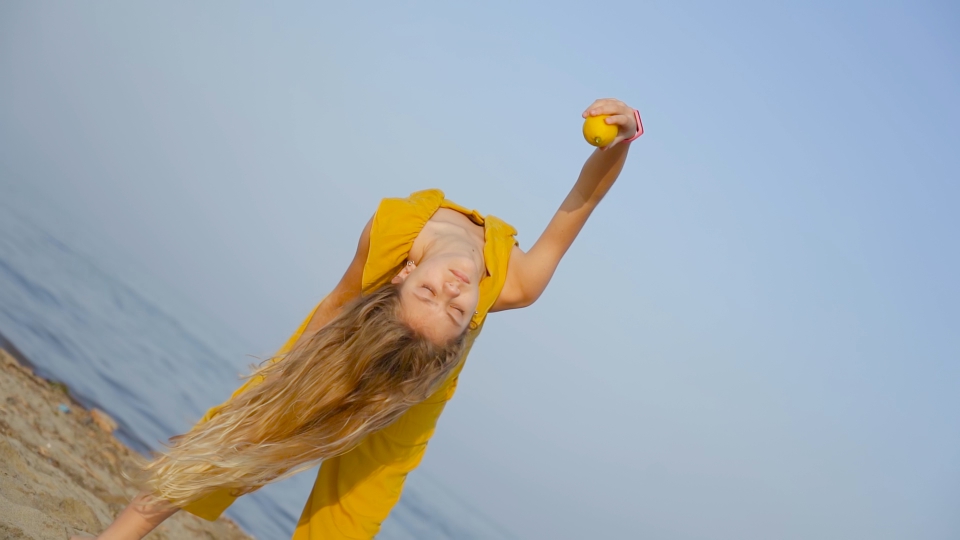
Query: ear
[[404, 272]]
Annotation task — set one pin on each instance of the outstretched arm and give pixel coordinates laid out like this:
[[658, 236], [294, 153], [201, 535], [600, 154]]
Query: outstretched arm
[[529, 272]]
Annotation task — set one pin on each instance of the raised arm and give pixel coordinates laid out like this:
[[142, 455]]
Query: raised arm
[[529, 272]]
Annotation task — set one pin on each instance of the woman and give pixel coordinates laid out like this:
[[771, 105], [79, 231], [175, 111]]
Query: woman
[[362, 382]]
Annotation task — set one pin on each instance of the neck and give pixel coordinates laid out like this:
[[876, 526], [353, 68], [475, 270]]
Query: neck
[[440, 247], [445, 238]]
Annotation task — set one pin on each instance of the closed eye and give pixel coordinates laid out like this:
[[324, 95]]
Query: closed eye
[[434, 294]]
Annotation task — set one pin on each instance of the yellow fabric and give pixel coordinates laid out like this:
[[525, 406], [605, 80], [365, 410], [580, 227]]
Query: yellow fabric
[[397, 224], [355, 492]]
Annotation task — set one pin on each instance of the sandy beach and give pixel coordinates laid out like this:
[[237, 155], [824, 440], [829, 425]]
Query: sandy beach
[[60, 470]]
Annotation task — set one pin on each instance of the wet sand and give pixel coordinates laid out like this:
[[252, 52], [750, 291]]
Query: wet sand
[[60, 471]]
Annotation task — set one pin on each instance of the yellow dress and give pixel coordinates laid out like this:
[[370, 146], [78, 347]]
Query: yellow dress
[[354, 492]]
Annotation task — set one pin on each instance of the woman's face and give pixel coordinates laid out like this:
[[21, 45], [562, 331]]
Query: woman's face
[[439, 296]]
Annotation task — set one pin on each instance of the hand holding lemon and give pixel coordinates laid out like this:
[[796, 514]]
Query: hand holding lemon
[[610, 121]]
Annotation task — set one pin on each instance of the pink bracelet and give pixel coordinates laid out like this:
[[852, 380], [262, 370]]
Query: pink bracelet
[[636, 113]]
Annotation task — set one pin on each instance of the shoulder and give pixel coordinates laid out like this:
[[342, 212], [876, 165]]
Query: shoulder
[[394, 227], [513, 294], [500, 247], [418, 204]]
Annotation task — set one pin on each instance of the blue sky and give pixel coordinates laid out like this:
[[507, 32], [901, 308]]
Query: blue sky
[[756, 334]]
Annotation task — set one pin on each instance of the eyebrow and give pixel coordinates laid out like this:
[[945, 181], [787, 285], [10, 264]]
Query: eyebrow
[[432, 301]]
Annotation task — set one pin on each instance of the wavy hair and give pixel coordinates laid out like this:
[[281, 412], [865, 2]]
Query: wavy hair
[[354, 376]]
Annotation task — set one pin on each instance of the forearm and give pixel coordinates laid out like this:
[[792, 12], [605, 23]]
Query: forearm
[[596, 178], [142, 515]]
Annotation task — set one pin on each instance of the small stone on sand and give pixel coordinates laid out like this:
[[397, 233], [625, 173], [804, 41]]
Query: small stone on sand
[[103, 420]]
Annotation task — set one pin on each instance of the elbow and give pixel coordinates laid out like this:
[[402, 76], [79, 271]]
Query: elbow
[[528, 297]]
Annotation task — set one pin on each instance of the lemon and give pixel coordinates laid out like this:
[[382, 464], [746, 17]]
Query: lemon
[[597, 132]]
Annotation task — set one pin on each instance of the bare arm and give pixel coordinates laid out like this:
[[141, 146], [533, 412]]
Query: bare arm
[[530, 272], [141, 516], [145, 513], [347, 289]]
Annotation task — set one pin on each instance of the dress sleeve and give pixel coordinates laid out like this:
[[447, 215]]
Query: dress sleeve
[[354, 492]]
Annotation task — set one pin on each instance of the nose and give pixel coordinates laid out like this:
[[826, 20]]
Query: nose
[[453, 288]]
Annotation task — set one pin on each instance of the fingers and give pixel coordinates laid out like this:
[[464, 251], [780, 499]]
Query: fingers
[[606, 106], [619, 119], [626, 127], [618, 113]]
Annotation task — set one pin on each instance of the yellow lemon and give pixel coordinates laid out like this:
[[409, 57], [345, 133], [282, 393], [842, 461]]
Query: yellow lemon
[[597, 132]]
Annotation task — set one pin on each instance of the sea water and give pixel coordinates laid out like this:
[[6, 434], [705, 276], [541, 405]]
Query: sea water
[[124, 344]]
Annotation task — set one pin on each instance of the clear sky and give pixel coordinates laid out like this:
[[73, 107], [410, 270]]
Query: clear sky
[[756, 336]]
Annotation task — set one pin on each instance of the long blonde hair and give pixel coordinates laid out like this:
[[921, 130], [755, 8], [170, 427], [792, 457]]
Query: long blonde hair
[[356, 375]]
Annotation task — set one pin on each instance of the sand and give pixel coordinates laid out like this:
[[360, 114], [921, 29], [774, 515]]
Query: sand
[[60, 472]]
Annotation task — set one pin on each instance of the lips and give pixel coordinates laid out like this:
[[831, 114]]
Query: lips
[[461, 276]]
